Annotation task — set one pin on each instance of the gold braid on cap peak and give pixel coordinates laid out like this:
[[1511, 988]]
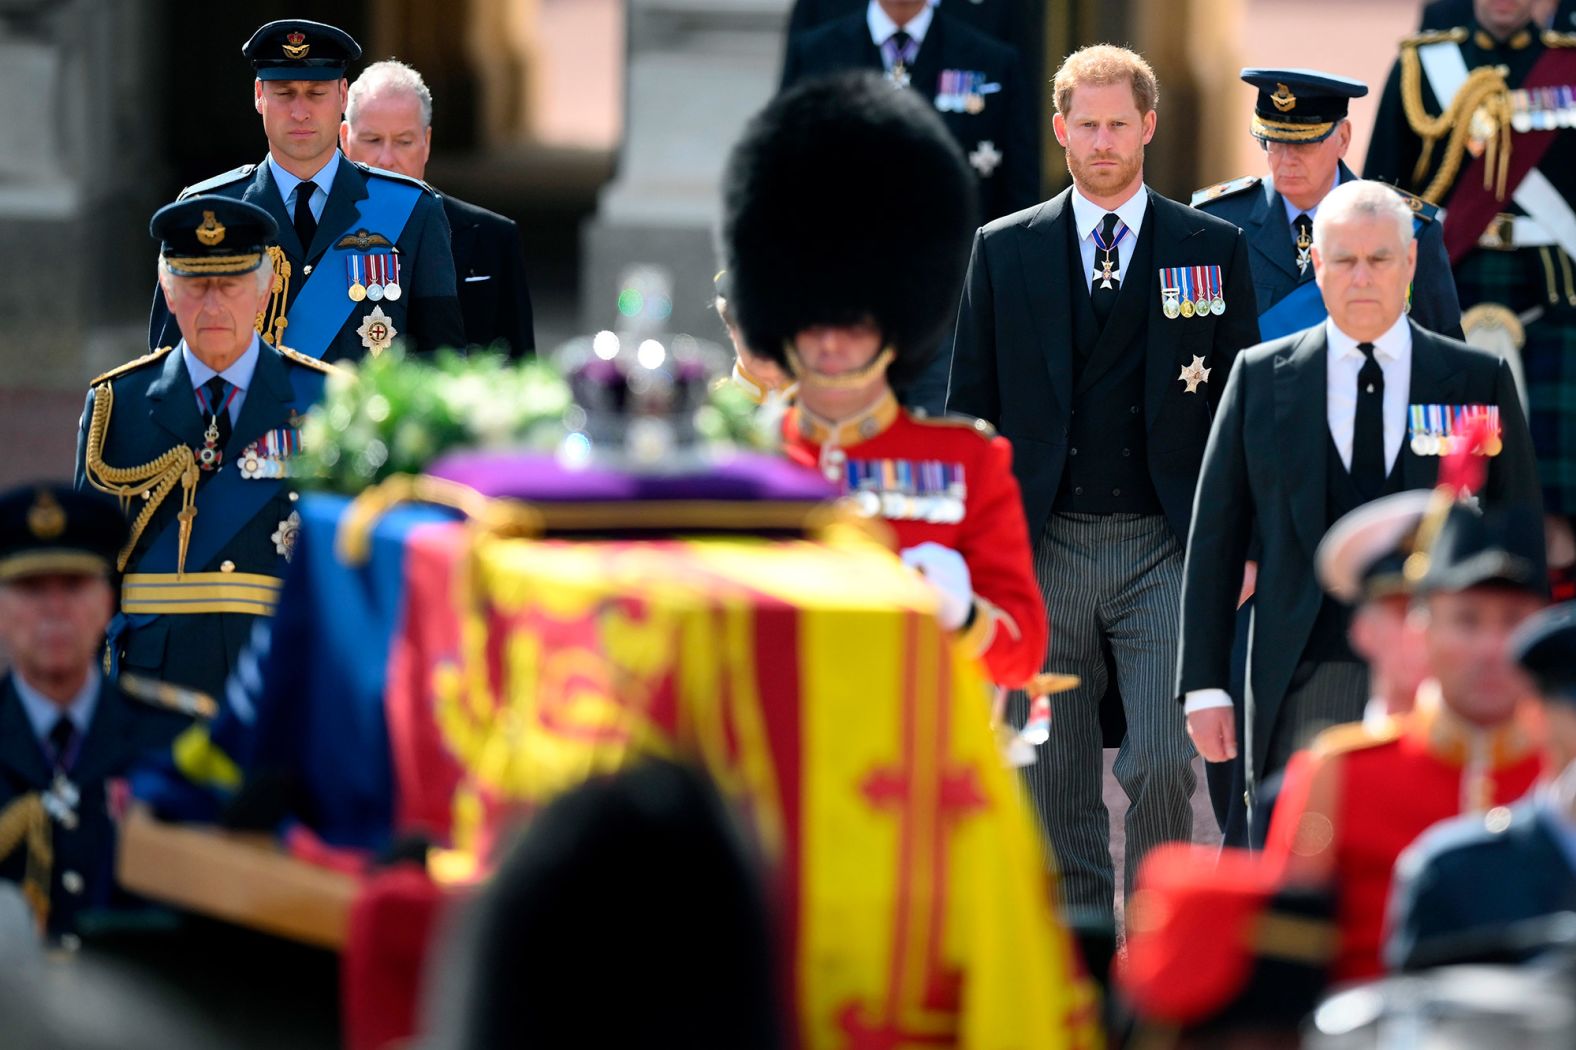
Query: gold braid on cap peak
[[154, 479], [271, 322], [1485, 92]]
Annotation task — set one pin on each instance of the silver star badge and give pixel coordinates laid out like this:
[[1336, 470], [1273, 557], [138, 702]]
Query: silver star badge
[[1194, 374], [985, 158]]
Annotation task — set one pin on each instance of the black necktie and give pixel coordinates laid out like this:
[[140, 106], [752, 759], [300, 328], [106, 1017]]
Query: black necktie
[[1368, 470], [1107, 275], [61, 737], [1302, 227], [305, 225], [216, 406]]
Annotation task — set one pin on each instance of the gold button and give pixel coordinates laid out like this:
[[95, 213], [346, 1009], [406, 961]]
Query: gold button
[[1497, 819], [294, 496], [71, 882], [227, 566]]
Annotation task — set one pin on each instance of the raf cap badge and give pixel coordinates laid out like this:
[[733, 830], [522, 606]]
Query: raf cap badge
[[211, 232], [295, 45], [46, 519]]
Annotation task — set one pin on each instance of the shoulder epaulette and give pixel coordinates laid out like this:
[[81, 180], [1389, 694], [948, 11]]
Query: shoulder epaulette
[[1356, 736], [168, 697], [131, 366], [367, 169], [1420, 208], [1458, 35], [305, 361], [958, 421], [1552, 38], [233, 175], [1224, 189]]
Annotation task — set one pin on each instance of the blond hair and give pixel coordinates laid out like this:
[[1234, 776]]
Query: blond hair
[[1101, 64]]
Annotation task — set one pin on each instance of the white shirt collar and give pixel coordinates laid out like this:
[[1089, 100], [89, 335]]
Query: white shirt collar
[[1394, 345], [1292, 211], [324, 179], [1087, 215], [881, 26], [42, 712], [238, 374]]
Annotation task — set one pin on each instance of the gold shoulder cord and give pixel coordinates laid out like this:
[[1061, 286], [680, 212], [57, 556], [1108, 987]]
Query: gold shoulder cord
[[1484, 96], [271, 322], [25, 820], [178, 466]]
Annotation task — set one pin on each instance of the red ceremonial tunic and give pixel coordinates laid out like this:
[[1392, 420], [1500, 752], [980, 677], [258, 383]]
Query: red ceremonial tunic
[[946, 481], [1359, 796]]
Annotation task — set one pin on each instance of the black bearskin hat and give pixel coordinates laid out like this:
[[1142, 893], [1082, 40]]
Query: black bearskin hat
[[846, 200]]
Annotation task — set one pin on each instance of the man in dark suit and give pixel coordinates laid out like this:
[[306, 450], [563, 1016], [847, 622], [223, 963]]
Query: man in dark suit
[[1088, 332], [66, 730], [1004, 20], [362, 257], [974, 82], [1300, 120], [1343, 394], [198, 442], [388, 124], [1439, 912]]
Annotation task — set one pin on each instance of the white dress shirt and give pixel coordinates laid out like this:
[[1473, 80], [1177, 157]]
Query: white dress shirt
[[882, 26], [1393, 351], [1087, 216], [239, 374], [287, 183]]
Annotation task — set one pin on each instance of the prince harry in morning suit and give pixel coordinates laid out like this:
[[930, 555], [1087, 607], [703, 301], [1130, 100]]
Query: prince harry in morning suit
[[1310, 427], [1088, 333]]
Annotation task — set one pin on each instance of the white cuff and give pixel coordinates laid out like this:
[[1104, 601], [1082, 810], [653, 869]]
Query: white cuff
[[1204, 699]]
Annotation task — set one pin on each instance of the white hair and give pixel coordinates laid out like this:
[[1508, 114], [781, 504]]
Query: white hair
[[1362, 198], [264, 272], [389, 75]]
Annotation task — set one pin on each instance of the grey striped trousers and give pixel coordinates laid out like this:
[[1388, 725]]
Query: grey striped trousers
[[1118, 576]]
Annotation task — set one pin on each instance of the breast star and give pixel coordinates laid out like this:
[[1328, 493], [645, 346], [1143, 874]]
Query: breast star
[[1194, 374]]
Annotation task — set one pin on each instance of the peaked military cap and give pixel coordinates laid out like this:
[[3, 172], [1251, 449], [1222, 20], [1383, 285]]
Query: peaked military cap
[[1299, 105], [846, 201], [1545, 645], [48, 527], [212, 236], [1363, 556], [1500, 548], [296, 49]]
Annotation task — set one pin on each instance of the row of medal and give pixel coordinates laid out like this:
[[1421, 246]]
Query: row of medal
[[269, 456], [1191, 291], [963, 91], [372, 277], [908, 490], [1543, 109], [1440, 430]]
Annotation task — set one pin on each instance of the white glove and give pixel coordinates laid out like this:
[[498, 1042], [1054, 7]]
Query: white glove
[[946, 571]]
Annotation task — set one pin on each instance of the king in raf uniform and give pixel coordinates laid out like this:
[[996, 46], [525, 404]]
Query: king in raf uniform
[[858, 300], [67, 731], [362, 259], [1300, 120], [197, 441], [1477, 119]]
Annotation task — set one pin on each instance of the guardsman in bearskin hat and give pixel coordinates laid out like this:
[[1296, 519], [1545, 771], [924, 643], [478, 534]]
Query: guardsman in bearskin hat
[[197, 441], [847, 216], [67, 731], [1478, 119]]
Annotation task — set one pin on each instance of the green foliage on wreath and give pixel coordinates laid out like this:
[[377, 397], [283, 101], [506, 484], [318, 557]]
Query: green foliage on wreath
[[395, 415]]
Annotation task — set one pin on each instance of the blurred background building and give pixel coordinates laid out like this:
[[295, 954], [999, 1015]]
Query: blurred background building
[[601, 126]]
